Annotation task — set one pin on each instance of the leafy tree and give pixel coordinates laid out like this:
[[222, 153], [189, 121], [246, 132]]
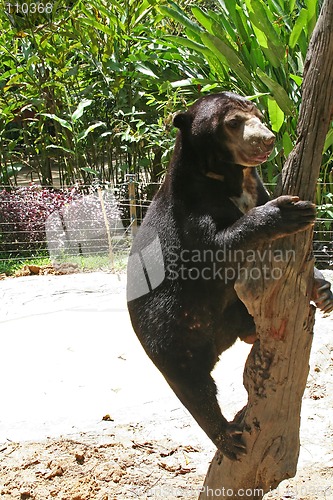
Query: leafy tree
[[91, 77], [88, 89], [256, 48]]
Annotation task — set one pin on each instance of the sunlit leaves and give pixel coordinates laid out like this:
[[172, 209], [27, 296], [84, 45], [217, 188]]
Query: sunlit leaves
[[299, 26], [80, 109], [61, 121], [276, 115], [84, 133], [278, 92]]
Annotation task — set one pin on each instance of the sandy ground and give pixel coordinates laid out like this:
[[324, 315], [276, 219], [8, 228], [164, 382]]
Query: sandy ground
[[85, 415]]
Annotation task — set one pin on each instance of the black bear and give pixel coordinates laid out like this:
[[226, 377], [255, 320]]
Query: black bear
[[210, 212]]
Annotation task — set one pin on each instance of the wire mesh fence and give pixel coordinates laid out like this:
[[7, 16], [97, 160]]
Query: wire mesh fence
[[91, 227]]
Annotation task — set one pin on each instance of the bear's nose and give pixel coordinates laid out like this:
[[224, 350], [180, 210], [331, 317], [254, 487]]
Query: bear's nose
[[269, 140]]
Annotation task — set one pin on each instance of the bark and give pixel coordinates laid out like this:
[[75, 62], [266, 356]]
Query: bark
[[277, 368]]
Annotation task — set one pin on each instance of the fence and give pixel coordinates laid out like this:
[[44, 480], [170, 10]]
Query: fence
[[92, 226]]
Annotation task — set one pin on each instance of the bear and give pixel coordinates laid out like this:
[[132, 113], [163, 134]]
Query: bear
[[211, 210]]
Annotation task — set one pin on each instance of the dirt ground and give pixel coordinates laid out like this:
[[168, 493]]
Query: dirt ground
[[85, 415]]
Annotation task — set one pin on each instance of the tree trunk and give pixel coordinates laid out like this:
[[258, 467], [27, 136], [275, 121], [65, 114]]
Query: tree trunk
[[277, 368]]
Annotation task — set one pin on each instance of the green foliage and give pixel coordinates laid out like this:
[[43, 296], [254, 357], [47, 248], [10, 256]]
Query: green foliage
[[12, 265], [256, 48], [74, 91], [88, 89]]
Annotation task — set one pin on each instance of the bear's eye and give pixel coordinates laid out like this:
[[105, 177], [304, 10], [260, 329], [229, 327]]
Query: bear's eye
[[234, 122]]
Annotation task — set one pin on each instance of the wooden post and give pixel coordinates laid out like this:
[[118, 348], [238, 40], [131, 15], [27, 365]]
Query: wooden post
[[132, 203]]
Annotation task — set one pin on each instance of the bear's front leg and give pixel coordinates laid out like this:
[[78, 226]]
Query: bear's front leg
[[321, 293]]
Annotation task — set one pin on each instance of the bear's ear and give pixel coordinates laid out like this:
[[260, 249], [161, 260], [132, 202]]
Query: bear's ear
[[182, 120]]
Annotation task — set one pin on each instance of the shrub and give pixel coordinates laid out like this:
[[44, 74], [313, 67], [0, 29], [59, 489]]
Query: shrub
[[65, 222], [23, 213]]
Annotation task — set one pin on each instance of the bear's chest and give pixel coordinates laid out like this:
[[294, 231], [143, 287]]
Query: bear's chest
[[249, 196], [244, 202]]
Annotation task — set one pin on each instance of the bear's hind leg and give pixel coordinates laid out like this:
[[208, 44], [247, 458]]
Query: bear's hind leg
[[236, 322], [198, 395]]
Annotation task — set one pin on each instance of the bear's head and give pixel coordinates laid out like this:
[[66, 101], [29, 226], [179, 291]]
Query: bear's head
[[227, 126]]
